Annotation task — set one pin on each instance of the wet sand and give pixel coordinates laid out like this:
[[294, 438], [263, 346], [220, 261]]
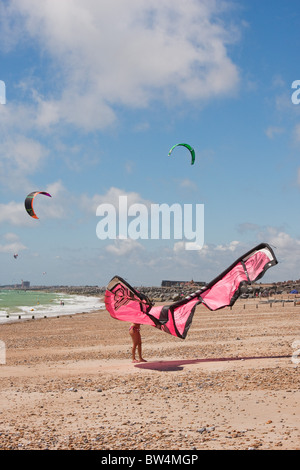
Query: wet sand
[[68, 383]]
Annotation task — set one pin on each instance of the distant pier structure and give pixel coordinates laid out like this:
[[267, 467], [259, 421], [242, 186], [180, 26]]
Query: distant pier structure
[[191, 283]]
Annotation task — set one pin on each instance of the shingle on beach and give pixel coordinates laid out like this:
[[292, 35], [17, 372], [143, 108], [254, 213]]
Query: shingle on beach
[[233, 383]]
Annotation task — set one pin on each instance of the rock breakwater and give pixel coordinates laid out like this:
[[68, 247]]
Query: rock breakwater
[[171, 293]]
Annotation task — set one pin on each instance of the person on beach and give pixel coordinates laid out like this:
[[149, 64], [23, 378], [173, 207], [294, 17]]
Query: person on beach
[[135, 334]]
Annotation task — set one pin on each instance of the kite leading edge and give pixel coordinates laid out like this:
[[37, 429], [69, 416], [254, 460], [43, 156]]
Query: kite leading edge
[[192, 151], [125, 303], [29, 202]]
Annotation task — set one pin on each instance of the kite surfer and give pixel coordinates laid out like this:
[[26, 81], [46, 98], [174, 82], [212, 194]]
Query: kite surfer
[[135, 334]]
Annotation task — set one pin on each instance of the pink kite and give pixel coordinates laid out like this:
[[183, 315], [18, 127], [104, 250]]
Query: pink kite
[[125, 303]]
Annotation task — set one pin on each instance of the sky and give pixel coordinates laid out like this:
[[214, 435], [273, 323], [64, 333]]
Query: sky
[[96, 94]]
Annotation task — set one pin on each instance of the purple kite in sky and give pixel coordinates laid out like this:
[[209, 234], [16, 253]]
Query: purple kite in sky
[[29, 202]]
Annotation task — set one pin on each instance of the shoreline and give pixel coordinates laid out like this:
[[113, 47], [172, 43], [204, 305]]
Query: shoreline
[[68, 383], [64, 304]]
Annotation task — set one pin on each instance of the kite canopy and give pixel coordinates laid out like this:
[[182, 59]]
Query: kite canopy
[[29, 202], [192, 151], [125, 303]]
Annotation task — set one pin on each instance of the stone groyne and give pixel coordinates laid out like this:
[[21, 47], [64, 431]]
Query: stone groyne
[[158, 293]]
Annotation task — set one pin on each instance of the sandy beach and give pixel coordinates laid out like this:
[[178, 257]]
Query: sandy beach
[[69, 383]]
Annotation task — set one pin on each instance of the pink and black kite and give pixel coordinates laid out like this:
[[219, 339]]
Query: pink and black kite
[[125, 303]]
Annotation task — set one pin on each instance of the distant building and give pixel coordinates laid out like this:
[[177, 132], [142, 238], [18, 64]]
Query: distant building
[[25, 284]]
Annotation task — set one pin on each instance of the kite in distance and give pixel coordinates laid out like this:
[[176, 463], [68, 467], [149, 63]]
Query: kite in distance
[[192, 151], [29, 202], [125, 303]]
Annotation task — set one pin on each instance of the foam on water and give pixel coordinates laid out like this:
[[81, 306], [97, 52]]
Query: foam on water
[[56, 305]]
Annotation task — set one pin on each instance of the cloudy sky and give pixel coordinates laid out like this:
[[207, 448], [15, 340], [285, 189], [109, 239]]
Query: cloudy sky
[[96, 95]]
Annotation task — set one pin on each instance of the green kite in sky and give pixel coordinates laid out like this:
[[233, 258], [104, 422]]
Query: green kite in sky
[[188, 147]]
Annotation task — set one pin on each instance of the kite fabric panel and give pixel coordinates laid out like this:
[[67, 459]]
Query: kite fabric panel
[[125, 303], [29, 202], [192, 151]]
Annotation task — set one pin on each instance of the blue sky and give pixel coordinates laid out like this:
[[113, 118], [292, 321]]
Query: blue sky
[[94, 102]]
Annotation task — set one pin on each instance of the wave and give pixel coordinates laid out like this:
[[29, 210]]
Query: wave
[[58, 305]]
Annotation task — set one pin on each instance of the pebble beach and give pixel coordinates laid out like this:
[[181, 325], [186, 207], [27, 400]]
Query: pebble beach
[[233, 384]]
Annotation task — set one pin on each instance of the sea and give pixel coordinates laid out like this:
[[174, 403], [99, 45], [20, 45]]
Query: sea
[[16, 305]]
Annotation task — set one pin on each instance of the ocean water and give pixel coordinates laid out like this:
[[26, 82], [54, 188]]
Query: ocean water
[[16, 305]]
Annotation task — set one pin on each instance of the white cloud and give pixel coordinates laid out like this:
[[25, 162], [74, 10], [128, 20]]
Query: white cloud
[[188, 184], [12, 237], [232, 246], [179, 247], [147, 50], [122, 247], [19, 158], [273, 131], [14, 213], [12, 247], [112, 196], [59, 205], [287, 251], [12, 244]]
